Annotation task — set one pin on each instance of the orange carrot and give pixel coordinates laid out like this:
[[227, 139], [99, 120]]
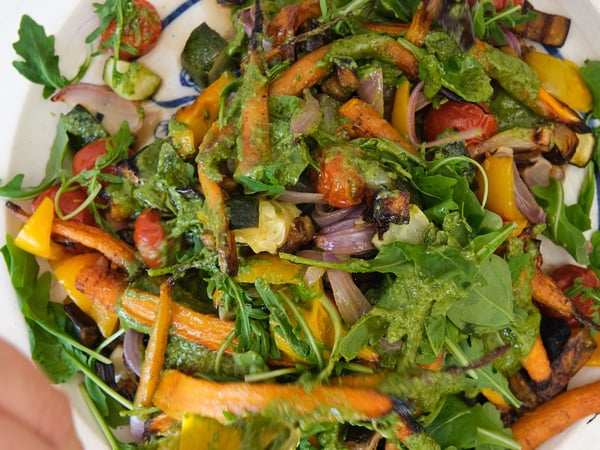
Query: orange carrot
[[537, 363], [304, 73], [547, 293], [115, 250], [289, 18], [155, 350], [102, 285], [255, 131], [368, 123], [203, 329], [536, 427], [178, 393]]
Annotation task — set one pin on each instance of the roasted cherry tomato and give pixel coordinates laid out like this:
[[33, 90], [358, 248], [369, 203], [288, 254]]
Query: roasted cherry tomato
[[565, 277], [68, 202], [339, 179], [141, 28], [85, 159], [150, 238], [460, 117]]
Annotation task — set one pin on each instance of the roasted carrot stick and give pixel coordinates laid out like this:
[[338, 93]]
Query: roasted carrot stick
[[304, 73], [115, 250], [547, 293], [155, 350], [368, 123], [315, 66], [102, 285], [537, 363], [554, 416], [543, 103], [203, 329], [255, 131], [289, 18], [178, 393]]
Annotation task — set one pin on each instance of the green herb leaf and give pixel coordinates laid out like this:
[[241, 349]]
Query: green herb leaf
[[560, 228], [591, 75]]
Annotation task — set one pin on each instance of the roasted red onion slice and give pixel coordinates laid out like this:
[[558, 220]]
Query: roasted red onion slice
[[525, 201], [301, 197], [323, 218], [309, 116], [346, 242], [350, 301], [371, 90], [133, 342], [102, 100], [411, 112]]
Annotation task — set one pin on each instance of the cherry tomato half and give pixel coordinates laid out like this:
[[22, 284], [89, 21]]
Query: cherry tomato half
[[141, 29], [68, 202], [565, 277], [460, 117], [150, 238], [339, 180], [85, 159]]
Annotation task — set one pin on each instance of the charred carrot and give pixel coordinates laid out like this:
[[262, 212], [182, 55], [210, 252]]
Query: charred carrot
[[537, 363], [289, 18], [203, 329], [115, 250], [178, 393], [102, 285], [304, 73], [218, 223], [255, 132], [547, 293], [550, 418], [541, 101], [368, 123], [392, 28], [317, 65], [154, 356]]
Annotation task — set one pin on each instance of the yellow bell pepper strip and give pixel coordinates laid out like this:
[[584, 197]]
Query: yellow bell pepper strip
[[205, 433], [561, 78], [399, 119], [35, 236], [543, 103], [199, 115], [178, 393], [66, 272], [154, 356], [270, 268], [501, 190]]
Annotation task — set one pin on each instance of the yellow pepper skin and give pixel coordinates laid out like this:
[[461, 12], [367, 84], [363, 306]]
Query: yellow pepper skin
[[399, 118], [199, 115], [66, 272], [501, 190], [36, 235], [561, 78]]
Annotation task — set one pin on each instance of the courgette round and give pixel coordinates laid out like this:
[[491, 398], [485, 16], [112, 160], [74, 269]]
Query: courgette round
[[130, 79]]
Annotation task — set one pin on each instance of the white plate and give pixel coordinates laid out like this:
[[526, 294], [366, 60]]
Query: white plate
[[28, 126]]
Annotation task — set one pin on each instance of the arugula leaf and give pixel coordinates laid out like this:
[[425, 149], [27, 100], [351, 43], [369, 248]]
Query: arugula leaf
[[590, 72], [560, 229], [459, 425], [488, 23], [489, 304], [40, 63], [54, 169], [33, 295]]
